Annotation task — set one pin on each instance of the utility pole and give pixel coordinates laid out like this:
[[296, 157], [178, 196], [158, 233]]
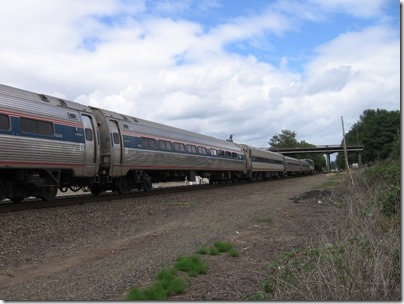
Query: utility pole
[[346, 153]]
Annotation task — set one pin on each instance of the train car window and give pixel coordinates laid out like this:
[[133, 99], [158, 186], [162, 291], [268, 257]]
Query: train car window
[[115, 137], [148, 142], [152, 143], [145, 142], [36, 126], [234, 155], [125, 126], [202, 150], [89, 134], [191, 149], [162, 144], [213, 152], [179, 147], [228, 154], [221, 153], [168, 145], [4, 122]]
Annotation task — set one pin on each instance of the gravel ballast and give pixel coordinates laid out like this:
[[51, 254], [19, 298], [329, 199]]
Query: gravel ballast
[[98, 251]]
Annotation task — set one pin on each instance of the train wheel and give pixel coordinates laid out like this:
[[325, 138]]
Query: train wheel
[[64, 189], [48, 193], [95, 190], [123, 185], [147, 186], [75, 188], [2, 191]]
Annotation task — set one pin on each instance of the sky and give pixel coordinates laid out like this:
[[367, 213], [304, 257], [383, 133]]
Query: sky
[[250, 68]]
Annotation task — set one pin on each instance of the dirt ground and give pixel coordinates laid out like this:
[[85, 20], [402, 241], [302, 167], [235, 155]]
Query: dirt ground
[[296, 221], [97, 252]]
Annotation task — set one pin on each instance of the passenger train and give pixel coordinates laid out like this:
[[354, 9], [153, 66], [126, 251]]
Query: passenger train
[[49, 144]]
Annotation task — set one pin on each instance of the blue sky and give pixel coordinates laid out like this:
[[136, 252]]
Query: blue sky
[[218, 67]]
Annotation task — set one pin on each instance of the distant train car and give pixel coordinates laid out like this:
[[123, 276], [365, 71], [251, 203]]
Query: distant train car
[[45, 142], [295, 166], [262, 163], [136, 152], [311, 165]]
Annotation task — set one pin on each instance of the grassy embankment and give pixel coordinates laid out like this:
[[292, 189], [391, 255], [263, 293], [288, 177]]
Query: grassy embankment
[[360, 258]]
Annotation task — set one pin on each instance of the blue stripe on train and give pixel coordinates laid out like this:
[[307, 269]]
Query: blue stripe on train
[[62, 132], [132, 142]]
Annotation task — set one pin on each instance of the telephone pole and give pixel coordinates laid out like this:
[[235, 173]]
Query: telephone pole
[[346, 153]]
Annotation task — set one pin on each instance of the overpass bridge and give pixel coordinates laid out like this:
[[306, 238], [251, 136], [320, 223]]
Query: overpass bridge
[[324, 149]]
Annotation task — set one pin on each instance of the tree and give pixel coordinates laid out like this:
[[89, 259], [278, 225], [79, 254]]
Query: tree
[[377, 131], [287, 139]]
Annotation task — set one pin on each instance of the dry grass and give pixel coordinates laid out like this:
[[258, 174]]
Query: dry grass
[[358, 260]]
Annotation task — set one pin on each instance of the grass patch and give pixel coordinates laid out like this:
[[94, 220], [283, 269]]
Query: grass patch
[[192, 265], [202, 250], [223, 246], [233, 253], [166, 285], [219, 247], [167, 282], [214, 251]]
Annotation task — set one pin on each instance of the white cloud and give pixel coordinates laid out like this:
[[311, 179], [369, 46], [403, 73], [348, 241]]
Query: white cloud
[[177, 72]]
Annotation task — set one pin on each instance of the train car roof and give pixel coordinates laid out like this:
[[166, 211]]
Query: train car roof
[[151, 128], [45, 99], [261, 151]]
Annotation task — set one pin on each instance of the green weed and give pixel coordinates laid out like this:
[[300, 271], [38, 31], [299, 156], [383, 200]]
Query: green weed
[[223, 246], [166, 284], [192, 265]]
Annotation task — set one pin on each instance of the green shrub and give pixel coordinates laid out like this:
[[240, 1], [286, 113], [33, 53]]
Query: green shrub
[[192, 265], [202, 250], [223, 246], [234, 253], [167, 284], [385, 178], [213, 251]]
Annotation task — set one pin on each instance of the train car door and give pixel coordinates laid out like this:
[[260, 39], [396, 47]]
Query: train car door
[[248, 162], [90, 147], [116, 161]]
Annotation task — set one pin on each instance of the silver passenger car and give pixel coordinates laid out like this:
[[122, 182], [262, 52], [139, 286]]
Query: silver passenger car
[[45, 143], [295, 166], [136, 152], [261, 163]]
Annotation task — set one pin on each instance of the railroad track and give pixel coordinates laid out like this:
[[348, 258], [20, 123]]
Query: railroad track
[[68, 200], [85, 198]]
